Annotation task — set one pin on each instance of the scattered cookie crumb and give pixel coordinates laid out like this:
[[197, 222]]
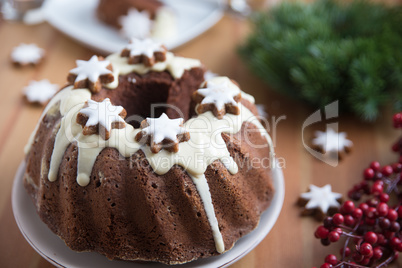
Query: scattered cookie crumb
[[27, 54], [332, 143], [40, 92], [319, 201]]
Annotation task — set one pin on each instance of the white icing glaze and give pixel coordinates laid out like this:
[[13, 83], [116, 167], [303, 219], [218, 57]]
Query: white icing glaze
[[321, 197], [40, 91], [175, 65], [56, 99], [103, 113], [219, 91], [164, 128], [91, 69], [331, 141], [27, 53], [203, 190], [136, 24]]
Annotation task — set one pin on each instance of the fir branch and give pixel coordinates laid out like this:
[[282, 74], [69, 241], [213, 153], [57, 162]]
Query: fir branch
[[328, 51]]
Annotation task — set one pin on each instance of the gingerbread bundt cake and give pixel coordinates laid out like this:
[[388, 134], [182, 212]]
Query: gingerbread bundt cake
[[184, 184]]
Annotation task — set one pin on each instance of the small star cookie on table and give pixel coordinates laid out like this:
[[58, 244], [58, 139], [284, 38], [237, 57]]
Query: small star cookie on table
[[91, 74], [27, 54], [101, 117], [136, 24], [40, 91], [319, 201], [332, 143], [218, 95], [162, 133]]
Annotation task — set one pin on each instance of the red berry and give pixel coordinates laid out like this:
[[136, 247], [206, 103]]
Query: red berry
[[338, 219], [365, 261], [373, 202], [370, 237], [387, 170], [377, 253], [363, 206], [395, 227], [333, 236], [394, 242], [366, 249], [348, 206], [331, 259], [397, 120], [397, 167], [325, 242], [371, 212], [385, 223], [392, 215], [375, 165], [399, 247], [349, 220], [328, 223], [400, 212], [322, 232], [347, 251], [326, 265], [368, 174], [357, 213], [384, 197], [381, 239], [382, 209], [377, 188]]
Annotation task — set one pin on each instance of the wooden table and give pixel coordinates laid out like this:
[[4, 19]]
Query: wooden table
[[291, 242]]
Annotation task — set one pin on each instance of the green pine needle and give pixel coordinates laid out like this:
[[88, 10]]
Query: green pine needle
[[328, 51]]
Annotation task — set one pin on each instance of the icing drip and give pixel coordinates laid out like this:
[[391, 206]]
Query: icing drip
[[203, 190], [173, 64]]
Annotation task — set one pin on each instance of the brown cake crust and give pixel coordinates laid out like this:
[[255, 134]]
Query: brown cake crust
[[129, 212], [109, 11]]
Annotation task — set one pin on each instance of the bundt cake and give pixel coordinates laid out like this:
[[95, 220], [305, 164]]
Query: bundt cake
[[138, 18], [140, 159]]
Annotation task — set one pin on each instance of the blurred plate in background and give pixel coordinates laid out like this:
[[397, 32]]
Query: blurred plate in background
[[77, 19]]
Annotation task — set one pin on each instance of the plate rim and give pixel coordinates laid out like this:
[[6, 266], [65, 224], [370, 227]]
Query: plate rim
[[278, 199]]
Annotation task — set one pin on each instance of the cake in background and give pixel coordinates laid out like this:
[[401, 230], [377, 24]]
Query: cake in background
[[139, 18]]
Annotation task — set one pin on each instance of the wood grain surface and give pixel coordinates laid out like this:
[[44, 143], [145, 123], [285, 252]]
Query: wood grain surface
[[291, 242]]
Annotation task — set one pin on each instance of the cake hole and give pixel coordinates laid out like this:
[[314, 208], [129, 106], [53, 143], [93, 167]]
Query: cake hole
[[113, 205], [154, 185], [98, 184], [198, 214]]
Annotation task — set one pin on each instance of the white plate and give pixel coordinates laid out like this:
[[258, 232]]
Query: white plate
[[53, 249], [77, 19]]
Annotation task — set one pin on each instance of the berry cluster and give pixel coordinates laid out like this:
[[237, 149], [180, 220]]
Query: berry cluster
[[371, 226], [397, 146]]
